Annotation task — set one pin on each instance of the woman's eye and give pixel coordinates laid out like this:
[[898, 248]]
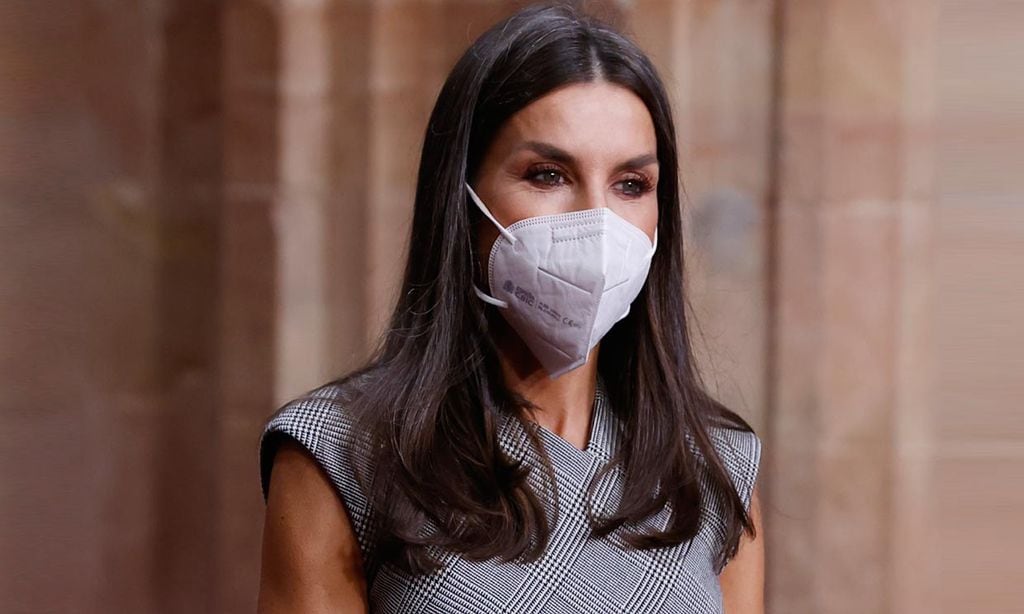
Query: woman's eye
[[635, 186], [547, 177]]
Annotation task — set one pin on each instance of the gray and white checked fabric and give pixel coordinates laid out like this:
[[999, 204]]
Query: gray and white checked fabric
[[577, 574]]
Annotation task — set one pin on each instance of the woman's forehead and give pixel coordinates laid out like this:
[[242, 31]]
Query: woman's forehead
[[596, 119]]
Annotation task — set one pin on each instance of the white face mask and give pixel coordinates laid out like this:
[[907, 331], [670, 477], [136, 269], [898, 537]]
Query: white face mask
[[562, 281]]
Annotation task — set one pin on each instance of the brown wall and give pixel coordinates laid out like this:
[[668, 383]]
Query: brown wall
[[203, 211]]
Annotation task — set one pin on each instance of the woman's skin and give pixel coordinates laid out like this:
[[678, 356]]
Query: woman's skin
[[311, 558], [580, 147], [583, 146]]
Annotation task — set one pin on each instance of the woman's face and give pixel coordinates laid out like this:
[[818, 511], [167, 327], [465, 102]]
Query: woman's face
[[582, 146]]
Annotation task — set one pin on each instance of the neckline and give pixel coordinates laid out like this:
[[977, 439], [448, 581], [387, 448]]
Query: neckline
[[599, 440]]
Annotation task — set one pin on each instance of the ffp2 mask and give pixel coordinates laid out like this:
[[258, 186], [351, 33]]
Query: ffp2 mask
[[562, 281]]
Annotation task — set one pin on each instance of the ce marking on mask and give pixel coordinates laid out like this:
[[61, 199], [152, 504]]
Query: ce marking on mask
[[527, 297]]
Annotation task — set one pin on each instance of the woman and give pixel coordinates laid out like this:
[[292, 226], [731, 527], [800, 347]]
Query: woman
[[531, 434]]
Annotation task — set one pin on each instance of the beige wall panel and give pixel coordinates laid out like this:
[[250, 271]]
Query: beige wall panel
[[841, 250], [978, 446]]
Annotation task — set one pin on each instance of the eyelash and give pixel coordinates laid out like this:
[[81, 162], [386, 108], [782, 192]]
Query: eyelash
[[646, 185]]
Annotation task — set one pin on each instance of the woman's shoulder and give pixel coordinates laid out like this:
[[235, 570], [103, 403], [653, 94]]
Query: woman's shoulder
[[736, 443], [740, 452], [321, 414], [323, 422]]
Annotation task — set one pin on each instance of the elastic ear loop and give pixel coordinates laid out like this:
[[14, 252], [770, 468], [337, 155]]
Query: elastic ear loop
[[505, 233]]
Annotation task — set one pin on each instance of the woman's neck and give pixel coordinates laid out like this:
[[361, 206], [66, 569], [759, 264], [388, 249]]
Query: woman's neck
[[565, 403]]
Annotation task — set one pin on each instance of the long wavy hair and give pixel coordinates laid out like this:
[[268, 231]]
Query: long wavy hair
[[432, 395]]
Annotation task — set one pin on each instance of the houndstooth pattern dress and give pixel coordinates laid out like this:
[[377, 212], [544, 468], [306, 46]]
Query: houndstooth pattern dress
[[577, 573]]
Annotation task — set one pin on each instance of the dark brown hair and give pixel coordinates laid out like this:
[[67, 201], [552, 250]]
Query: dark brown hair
[[431, 396]]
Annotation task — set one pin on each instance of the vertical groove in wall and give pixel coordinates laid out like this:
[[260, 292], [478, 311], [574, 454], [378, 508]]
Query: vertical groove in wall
[[250, 286], [188, 302], [771, 229]]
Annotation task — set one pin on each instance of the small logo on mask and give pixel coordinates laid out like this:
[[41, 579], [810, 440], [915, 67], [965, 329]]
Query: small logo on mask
[[525, 296]]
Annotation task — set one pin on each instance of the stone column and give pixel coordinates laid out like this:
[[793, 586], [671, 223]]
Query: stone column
[[189, 298], [249, 264], [850, 241]]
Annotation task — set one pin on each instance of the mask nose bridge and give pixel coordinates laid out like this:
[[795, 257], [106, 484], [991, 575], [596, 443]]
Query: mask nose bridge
[[602, 203]]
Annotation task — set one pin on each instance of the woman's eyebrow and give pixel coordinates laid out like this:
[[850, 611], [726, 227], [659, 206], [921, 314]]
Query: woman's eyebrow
[[558, 154], [637, 162], [548, 151]]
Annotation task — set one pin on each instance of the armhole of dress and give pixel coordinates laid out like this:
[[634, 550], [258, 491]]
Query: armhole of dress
[[270, 442], [753, 471], [283, 427], [743, 464], [330, 443]]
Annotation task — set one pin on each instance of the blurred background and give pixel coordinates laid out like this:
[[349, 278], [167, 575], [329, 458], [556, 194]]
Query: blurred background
[[203, 213]]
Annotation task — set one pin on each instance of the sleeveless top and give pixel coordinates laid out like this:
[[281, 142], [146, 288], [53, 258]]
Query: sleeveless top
[[577, 573]]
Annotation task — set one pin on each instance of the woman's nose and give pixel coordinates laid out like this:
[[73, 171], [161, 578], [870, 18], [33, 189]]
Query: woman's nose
[[588, 197]]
